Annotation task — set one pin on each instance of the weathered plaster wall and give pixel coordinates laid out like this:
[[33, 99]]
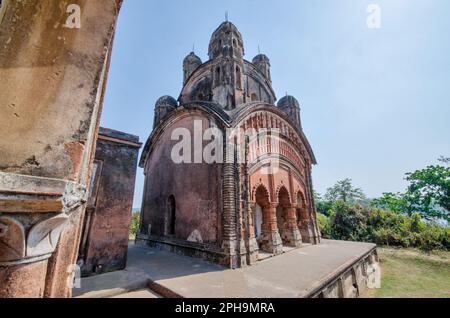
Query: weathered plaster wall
[[51, 71], [353, 280], [107, 228], [195, 186], [24, 280]]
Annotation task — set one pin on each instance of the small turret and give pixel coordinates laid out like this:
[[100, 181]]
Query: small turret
[[226, 41], [262, 63], [190, 64], [164, 105], [290, 106], [226, 51]]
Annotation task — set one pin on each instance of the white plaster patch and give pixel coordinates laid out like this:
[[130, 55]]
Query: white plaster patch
[[195, 236], [374, 276]]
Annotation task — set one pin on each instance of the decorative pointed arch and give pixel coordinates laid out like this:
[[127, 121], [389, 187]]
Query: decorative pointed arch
[[300, 199], [260, 193], [284, 192]]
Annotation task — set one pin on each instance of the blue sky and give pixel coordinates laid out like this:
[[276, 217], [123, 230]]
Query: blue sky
[[375, 102]]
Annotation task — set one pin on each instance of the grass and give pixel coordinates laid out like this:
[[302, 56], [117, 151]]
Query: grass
[[409, 273]]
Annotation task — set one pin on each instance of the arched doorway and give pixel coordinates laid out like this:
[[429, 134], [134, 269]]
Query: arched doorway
[[301, 206], [262, 201], [283, 203], [257, 221], [266, 224], [287, 220], [171, 216]]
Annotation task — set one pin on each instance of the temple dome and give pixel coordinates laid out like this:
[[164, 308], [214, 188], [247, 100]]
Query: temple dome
[[226, 27], [166, 101], [291, 107], [260, 58], [190, 64], [164, 105], [226, 40], [288, 101], [192, 59]]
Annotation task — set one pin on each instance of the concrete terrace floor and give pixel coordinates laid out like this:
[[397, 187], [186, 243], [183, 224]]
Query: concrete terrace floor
[[293, 274]]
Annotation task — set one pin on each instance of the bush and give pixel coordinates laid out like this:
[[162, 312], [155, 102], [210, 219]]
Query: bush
[[134, 225], [323, 222], [358, 223], [348, 222]]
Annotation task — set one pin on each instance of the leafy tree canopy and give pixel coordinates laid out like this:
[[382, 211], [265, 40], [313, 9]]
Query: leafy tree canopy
[[428, 192], [394, 202], [344, 191]]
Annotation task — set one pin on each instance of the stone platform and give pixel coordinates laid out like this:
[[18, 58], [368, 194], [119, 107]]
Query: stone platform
[[331, 269]]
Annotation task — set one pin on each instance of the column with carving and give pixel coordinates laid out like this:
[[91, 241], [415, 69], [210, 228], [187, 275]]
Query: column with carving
[[291, 233], [270, 237], [34, 212], [230, 211], [251, 242]]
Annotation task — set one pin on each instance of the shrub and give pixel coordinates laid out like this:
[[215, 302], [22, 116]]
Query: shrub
[[134, 225], [348, 222], [323, 222], [358, 223]]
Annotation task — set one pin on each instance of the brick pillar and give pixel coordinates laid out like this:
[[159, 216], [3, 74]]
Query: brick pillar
[[291, 233], [250, 238], [241, 210], [270, 237], [252, 245], [312, 225], [230, 210], [306, 227]]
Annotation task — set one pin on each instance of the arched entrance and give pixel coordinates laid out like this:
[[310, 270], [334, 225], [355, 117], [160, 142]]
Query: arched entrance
[[269, 239], [171, 216], [257, 221], [283, 203], [287, 220]]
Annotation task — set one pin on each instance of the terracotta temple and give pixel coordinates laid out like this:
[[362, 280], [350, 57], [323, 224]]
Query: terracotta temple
[[259, 198]]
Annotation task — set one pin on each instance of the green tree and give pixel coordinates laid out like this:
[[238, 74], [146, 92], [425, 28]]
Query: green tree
[[429, 191], [394, 202], [324, 223], [134, 225], [322, 206], [344, 191], [347, 221]]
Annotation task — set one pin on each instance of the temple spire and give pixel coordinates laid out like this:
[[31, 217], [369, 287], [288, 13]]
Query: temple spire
[[226, 15]]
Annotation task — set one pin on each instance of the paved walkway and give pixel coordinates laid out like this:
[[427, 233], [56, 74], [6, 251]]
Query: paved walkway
[[292, 274]]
